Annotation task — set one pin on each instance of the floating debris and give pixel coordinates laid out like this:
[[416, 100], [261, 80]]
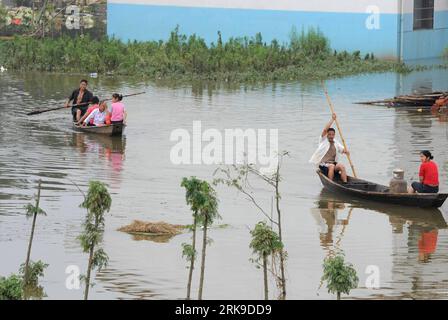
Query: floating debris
[[414, 100], [152, 228]]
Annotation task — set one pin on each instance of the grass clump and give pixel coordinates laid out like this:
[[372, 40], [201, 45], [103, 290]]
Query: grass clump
[[154, 228]]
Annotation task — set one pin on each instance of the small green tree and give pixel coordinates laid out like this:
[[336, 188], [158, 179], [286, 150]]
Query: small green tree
[[97, 202], [265, 242], [195, 200], [341, 277], [11, 288], [32, 211], [208, 213]]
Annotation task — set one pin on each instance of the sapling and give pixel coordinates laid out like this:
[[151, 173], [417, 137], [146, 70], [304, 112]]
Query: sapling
[[208, 213], [340, 276], [32, 211], [237, 176], [97, 202], [265, 242], [195, 199]]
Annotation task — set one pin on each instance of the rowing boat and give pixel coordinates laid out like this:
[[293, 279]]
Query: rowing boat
[[108, 130], [375, 192]]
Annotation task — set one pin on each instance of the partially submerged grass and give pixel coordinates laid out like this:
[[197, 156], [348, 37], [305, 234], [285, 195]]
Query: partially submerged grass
[[307, 55], [152, 228]]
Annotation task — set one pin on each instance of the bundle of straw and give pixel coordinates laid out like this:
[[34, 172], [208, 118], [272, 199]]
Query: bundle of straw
[[152, 228]]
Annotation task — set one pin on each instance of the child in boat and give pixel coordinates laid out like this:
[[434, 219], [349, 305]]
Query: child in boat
[[95, 105], [429, 175], [98, 115], [118, 110]]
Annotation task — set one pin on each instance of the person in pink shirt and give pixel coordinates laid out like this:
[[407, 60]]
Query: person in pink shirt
[[118, 110]]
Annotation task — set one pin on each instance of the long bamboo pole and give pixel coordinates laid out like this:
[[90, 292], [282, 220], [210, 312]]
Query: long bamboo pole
[[77, 105], [339, 129]]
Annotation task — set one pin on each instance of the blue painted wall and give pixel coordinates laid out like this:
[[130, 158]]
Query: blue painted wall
[[346, 31], [424, 44]]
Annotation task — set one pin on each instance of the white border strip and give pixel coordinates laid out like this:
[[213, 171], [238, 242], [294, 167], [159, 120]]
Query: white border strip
[[355, 6]]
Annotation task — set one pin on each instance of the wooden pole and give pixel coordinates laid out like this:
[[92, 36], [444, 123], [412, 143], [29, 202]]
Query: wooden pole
[[339, 129], [76, 105]]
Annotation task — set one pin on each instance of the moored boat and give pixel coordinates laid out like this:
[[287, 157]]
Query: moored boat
[[375, 192], [108, 130]]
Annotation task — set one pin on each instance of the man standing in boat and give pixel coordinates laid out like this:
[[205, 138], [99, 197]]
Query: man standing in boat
[[80, 97], [327, 154]]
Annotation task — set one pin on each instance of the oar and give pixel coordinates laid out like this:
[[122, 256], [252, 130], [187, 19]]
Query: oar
[[339, 129], [53, 109], [76, 105]]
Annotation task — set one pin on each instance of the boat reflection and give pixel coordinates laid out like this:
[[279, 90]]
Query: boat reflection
[[112, 149]]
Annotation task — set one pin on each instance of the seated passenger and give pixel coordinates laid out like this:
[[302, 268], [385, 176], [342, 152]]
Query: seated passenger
[[429, 175], [118, 110], [95, 105], [98, 115], [326, 155]]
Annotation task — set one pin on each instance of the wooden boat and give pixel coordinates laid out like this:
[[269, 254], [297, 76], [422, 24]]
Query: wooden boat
[[375, 192], [108, 130]]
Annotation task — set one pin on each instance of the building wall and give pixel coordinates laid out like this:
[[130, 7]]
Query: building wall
[[343, 21], [423, 44]]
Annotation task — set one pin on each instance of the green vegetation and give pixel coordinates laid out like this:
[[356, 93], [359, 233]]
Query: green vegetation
[[34, 272], [307, 56], [201, 197], [97, 202], [265, 242], [341, 277], [11, 287]]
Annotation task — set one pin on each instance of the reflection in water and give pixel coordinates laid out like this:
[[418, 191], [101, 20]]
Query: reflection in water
[[415, 235], [110, 149]]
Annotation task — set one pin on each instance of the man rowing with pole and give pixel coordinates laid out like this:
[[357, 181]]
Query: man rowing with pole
[[326, 155], [81, 98]]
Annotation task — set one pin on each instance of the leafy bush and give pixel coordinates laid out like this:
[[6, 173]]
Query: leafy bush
[[11, 287], [35, 271], [341, 277]]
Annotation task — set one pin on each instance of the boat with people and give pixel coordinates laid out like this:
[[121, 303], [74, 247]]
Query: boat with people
[[333, 174], [367, 190], [107, 130]]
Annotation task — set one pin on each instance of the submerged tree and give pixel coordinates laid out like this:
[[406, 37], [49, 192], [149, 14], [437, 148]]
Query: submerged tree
[[238, 177], [265, 242], [97, 202], [341, 277], [195, 199], [33, 211], [208, 214]]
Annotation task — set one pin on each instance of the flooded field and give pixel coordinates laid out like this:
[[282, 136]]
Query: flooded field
[[408, 246]]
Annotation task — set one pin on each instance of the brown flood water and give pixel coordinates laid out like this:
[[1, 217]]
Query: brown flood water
[[408, 246]]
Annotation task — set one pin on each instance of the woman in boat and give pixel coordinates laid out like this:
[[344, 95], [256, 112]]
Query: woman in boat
[[429, 175], [99, 116], [95, 105], [118, 110]]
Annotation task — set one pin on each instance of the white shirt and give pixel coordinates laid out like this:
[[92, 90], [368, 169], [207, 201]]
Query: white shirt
[[322, 149], [98, 117]]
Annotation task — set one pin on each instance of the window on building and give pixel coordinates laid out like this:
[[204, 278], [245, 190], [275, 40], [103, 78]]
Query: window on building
[[423, 14]]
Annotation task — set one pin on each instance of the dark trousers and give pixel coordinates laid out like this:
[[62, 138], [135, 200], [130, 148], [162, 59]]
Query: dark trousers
[[424, 188]]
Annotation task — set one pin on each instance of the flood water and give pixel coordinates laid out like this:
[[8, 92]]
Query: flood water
[[409, 247]]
